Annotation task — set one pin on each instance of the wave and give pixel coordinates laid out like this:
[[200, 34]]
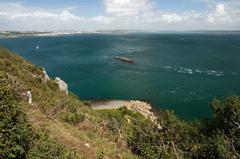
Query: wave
[[184, 70]]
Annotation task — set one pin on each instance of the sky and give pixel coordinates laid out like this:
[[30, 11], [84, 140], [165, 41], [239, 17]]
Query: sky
[[90, 15]]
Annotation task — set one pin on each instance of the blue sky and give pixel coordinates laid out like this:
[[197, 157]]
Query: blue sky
[[119, 14]]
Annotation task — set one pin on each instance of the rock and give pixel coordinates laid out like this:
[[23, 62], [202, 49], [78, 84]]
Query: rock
[[62, 85], [145, 109], [87, 144], [124, 59], [45, 75]]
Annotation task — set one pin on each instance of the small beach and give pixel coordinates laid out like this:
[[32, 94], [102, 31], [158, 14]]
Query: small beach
[[107, 104]]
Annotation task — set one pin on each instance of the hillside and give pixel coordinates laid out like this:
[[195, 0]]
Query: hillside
[[63, 119], [58, 125]]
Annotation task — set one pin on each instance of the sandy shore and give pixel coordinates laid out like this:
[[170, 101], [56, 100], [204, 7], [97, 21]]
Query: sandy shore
[[108, 104]]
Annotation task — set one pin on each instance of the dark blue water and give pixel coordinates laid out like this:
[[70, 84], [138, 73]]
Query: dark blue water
[[182, 72]]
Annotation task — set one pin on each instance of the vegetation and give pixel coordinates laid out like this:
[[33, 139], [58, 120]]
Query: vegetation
[[55, 125], [18, 140], [217, 138], [14, 134], [62, 126]]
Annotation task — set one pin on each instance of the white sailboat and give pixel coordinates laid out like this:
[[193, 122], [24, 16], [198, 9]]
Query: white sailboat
[[37, 47]]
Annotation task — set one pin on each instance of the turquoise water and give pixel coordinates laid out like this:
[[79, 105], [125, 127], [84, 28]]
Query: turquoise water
[[177, 71]]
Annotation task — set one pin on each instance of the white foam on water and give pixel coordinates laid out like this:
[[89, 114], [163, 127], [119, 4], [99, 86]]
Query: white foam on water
[[184, 70], [188, 70], [214, 73], [167, 67], [199, 71], [172, 92]]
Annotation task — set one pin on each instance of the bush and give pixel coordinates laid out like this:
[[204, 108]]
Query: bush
[[227, 116], [72, 118], [224, 127], [217, 138], [14, 131], [174, 140], [117, 119], [52, 85], [17, 140], [215, 147], [43, 147]]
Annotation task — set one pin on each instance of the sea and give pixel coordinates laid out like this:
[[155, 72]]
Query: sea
[[182, 72]]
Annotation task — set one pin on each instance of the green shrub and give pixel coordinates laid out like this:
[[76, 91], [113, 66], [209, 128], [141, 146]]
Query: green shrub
[[52, 85], [215, 147], [219, 138], [43, 147], [72, 118], [17, 140], [227, 116], [14, 131]]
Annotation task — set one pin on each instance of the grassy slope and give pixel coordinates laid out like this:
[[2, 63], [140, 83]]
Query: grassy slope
[[65, 119]]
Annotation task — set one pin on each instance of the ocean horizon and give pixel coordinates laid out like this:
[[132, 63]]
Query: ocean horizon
[[182, 72]]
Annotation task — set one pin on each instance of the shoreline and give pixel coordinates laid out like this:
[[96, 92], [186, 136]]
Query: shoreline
[[98, 104], [139, 106]]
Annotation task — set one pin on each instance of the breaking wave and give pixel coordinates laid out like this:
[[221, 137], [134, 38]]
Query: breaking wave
[[190, 71]]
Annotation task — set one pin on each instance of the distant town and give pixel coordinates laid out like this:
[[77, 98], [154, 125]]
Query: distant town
[[15, 34]]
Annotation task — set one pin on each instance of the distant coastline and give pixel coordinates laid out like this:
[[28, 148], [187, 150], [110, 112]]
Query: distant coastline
[[16, 34]]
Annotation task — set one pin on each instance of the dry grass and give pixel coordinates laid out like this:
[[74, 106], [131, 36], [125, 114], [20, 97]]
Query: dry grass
[[75, 137]]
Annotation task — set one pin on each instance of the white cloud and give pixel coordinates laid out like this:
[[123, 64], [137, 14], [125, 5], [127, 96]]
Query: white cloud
[[17, 16], [127, 7], [3, 14], [19, 11], [220, 8], [223, 15], [172, 18], [103, 19], [64, 15], [120, 14]]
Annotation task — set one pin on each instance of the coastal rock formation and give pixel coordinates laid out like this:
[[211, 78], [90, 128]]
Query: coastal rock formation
[[144, 108], [62, 85], [45, 75], [124, 59], [135, 105]]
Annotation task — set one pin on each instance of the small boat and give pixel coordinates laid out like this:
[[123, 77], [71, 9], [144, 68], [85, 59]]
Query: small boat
[[37, 47], [124, 59]]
